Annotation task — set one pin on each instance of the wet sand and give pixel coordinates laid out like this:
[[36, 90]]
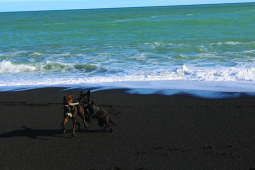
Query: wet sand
[[153, 132]]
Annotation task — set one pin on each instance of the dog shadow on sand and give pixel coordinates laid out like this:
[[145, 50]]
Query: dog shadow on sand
[[42, 134]]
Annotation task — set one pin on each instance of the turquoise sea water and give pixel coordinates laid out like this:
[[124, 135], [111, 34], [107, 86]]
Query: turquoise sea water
[[205, 47]]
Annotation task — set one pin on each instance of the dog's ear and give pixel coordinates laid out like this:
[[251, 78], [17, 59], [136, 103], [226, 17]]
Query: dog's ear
[[88, 92], [64, 98]]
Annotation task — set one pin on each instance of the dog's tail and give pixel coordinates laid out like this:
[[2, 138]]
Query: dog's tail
[[112, 122]]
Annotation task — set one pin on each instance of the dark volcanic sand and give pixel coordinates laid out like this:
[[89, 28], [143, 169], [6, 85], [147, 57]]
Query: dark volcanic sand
[[152, 132]]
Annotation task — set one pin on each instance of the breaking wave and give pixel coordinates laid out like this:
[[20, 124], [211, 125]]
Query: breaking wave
[[54, 73], [44, 67]]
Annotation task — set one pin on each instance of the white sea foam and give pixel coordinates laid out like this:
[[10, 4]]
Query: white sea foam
[[232, 43], [69, 73], [8, 67], [180, 74]]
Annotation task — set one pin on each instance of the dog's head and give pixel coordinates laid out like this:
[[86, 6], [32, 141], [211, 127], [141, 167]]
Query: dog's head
[[84, 97], [68, 99]]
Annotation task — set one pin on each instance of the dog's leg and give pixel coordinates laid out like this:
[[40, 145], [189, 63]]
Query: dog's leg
[[81, 113], [79, 125], [87, 115], [74, 124], [63, 124], [107, 120], [84, 120], [112, 122]]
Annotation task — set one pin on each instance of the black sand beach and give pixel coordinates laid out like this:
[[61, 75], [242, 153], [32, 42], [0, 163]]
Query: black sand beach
[[153, 132]]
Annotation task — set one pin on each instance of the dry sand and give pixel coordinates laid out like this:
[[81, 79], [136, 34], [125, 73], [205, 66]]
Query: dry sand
[[153, 132]]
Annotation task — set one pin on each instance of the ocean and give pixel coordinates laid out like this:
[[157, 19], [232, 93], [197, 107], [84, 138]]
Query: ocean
[[198, 47]]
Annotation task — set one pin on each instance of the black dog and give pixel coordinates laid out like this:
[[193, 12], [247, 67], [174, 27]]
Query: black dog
[[84, 99], [96, 112], [101, 115]]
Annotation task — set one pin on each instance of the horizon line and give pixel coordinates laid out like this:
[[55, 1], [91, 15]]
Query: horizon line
[[130, 7]]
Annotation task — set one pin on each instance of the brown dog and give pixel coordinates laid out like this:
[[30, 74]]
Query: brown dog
[[71, 111], [103, 119]]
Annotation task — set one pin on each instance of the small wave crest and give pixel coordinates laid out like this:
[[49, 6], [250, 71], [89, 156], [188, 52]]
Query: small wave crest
[[220, 74], [45, 67], [8, 67]]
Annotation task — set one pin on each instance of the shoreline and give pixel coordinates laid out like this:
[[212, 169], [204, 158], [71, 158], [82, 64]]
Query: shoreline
[[153, 132], [202, 89]]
